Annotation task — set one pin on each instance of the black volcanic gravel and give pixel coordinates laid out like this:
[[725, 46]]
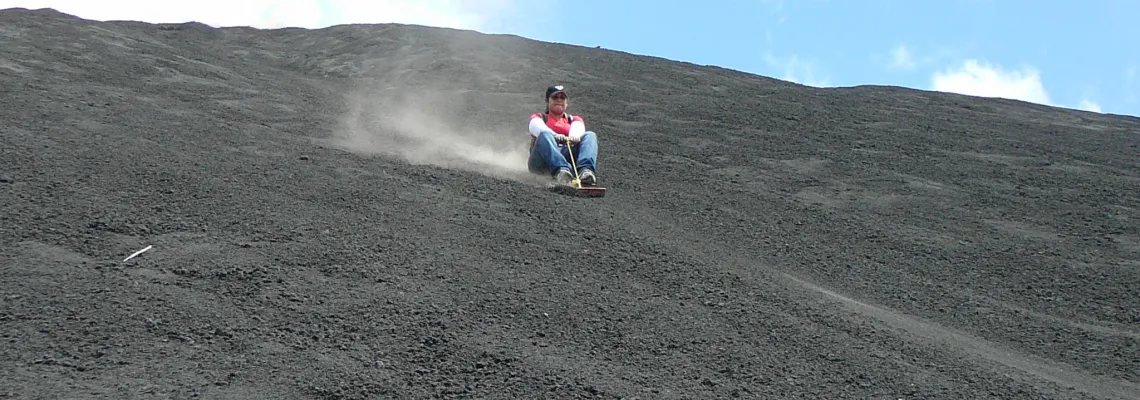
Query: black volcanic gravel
[[758, 239]]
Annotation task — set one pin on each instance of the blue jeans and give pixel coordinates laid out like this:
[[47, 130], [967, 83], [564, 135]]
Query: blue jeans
[[548, 156]]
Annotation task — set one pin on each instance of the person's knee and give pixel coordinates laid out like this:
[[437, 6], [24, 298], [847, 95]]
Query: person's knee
[[546, 137], [590, 136], [543, 142]]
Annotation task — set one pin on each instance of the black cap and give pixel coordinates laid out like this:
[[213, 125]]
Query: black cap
[[550, 91]]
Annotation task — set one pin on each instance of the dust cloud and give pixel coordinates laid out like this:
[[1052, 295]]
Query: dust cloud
[[436, 127], [443, 101]]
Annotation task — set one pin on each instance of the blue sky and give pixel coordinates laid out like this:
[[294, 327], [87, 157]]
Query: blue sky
[[1074, 54]]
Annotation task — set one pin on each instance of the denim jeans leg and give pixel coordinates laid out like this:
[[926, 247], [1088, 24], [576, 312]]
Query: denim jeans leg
[[546, 157], [535, 164], [586, 152]]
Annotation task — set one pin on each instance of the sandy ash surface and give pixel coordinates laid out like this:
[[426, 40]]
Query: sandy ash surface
[[344, 213]]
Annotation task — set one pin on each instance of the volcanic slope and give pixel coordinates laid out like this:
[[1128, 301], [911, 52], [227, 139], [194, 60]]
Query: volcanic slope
[[345, 213]]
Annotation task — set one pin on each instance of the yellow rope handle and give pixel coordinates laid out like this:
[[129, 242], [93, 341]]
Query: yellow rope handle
[[570, 148]]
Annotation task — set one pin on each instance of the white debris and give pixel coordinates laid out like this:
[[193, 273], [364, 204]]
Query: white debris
[[136, 253]]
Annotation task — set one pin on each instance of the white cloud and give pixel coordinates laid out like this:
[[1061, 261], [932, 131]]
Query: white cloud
[[977, 78], [901, 58], [796, 70], [980, 79], [474, 14], [1089, 105]]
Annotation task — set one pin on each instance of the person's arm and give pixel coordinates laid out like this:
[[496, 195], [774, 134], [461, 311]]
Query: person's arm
[[537, 127], [577, 128]]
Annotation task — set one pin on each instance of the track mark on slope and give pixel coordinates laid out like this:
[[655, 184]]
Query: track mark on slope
[[1059, 373], [1126, 243], [805, 166], [1093, 328], [1023, 230], [918, 182], [12, 66], [997, 158], [48, 256]]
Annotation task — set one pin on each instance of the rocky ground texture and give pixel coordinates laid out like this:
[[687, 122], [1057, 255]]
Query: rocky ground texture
[[345, 213]]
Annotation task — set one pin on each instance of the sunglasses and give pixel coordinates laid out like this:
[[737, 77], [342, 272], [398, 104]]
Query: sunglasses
[[558, 96]]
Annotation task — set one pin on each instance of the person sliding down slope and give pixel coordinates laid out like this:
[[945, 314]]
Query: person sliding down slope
[[551, 131]]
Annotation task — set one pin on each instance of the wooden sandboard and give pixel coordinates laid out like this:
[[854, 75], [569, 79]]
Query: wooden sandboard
[[585, 191]]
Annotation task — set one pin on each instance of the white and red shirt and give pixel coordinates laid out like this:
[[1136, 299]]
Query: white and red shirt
[[567, 125]]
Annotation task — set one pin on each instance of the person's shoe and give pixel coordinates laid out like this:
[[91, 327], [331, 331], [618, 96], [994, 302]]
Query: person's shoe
[[564, 177], [588, 178]]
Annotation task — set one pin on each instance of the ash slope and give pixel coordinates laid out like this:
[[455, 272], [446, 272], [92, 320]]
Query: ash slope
[[342, 213]]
